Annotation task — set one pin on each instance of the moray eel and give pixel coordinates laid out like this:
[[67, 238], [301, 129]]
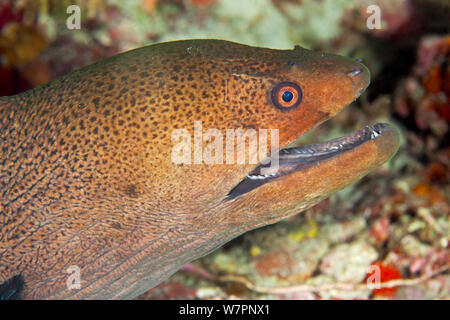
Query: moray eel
[[88, 180]]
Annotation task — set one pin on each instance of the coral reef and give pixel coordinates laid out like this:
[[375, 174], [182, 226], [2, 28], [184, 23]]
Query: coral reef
[[395, 221]]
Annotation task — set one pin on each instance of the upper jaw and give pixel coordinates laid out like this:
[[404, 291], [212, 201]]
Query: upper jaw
[[300, 158]]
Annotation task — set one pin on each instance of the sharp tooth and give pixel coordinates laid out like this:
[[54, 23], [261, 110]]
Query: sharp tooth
[[255, 177], [373, 133], [261, 176]]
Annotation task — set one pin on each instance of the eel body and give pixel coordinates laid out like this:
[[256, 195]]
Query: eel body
[[88, 179]]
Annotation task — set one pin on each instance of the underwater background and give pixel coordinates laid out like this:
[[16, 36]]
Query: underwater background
[[396, 218]]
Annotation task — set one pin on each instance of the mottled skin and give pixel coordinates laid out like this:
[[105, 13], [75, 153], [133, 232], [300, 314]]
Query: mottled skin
[[86, 172]]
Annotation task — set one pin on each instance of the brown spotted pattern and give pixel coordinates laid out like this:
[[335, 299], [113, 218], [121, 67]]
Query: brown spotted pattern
[[86, 176]]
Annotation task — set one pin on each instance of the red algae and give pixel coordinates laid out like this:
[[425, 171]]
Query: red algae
[[386, 273]]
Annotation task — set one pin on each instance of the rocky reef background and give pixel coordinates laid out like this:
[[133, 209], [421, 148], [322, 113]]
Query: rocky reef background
[[395, 220]]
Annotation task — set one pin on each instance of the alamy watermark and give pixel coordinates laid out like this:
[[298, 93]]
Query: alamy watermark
[[373, 280], [215, 143], [73, 282], [74, 20], [374, 20]]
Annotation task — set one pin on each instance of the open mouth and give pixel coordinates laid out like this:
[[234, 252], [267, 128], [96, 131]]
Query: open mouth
[[299, 158]]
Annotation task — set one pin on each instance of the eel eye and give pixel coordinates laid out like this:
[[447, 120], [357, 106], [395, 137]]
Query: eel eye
[[286, 95]]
